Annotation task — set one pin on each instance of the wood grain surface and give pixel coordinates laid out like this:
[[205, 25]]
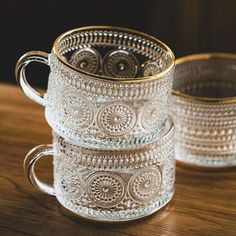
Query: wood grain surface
[[204, 202]]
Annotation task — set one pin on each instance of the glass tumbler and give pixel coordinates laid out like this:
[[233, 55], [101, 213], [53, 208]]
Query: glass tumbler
[[105, 185], [203, 107], [107, 87]]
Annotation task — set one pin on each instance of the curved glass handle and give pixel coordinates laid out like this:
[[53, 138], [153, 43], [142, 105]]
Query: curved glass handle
[[29, 165], [33, 56]]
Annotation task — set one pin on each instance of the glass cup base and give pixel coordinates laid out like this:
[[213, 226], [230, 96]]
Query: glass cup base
[[107, 216], [214, 161]]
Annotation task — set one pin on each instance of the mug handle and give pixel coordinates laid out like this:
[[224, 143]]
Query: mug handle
[[33, 56], [29, 167]]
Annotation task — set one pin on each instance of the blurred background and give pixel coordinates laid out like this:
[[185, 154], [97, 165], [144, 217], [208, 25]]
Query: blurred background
[[187, 26]]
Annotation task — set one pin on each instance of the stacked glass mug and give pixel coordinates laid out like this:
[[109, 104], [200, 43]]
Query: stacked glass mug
[[106, 101]]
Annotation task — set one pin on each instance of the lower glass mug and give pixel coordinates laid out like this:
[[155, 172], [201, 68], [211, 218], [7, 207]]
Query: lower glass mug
[[109, 186]]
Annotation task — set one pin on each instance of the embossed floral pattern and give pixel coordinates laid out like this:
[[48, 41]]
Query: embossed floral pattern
[[150, 68], [117, 118], [70, 183], [120, 64], [106, 189], [86, 59], [145, 184], [76, 111], [152, 114]]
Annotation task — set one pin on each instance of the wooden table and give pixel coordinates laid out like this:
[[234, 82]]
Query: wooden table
[[204, 202]]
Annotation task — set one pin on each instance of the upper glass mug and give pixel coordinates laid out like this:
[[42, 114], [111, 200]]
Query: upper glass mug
[[107, 87]]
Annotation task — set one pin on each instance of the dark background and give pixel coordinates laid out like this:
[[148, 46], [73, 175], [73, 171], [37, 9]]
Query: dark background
[[187, 26]]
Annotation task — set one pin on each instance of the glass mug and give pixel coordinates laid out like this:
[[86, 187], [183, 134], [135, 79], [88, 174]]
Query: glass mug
[[108, 86], [107, 185], [203, 107]]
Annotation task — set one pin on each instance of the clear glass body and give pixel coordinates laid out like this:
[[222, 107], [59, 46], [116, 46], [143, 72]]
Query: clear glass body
[[108, 87], [107, 185], [203, 107]]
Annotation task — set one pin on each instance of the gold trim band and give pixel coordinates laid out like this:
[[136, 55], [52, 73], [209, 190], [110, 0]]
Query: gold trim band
[[204, 56], [125, 80]]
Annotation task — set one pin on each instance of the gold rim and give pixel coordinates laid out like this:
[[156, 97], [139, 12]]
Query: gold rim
[[125, 80], [204, 56]]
